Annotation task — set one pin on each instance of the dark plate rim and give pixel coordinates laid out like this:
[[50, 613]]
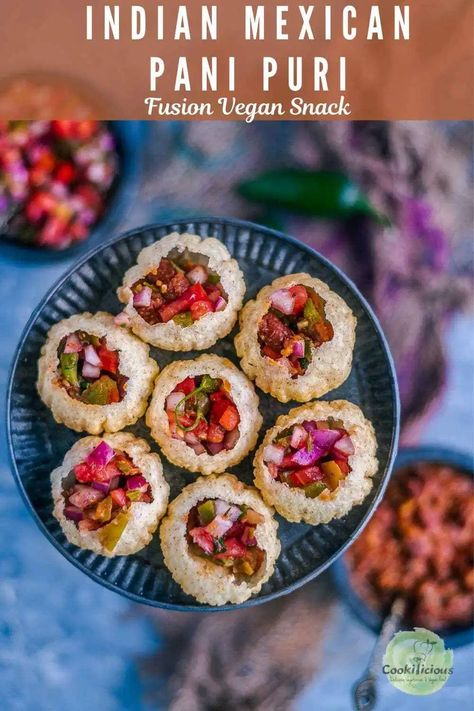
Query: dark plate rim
[[172, 225], [454, 637]]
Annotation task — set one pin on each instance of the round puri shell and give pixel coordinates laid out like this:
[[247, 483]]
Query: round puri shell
[[331, 362], [209, 328], [243, 395], [134, 363], [293, 503], [206, 581], [144, 517]]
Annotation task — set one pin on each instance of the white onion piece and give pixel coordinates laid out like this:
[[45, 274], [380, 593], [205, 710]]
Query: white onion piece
[[90, 354], [197, 275], [233, 513], [283, 301], [73, 344], [90, 371], [298, 437], [273, 453], [220, 304], [344, 446], [143, 297], [218, 526], [221, 506], [173, 399]]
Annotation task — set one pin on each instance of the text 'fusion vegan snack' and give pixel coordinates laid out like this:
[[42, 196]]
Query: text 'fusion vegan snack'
[[184, 293], [219, 540], [296, 338], [317, 462], [204, 414], [109, 494], [94, 375]]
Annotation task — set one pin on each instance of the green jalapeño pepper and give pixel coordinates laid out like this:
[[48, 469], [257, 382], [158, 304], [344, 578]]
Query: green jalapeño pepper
[[68, 363], [208, 385], [313, 193]]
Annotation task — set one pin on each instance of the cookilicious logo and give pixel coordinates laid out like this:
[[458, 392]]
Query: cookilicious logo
[[417, 663]]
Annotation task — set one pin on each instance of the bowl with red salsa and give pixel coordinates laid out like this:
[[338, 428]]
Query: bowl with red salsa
[[65, 185], [419, 545]]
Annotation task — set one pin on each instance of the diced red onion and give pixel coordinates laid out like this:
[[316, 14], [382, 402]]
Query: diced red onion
[[218, 526], [90, 371], [142, 297], [283, 300], [85, 496], [103, 486], [198, 448], [73, 344], [136, 482], [215, 447], [197, 275], [221, 507], [298, 437], [220, 304], [233, 513], [122, 319], [344, 446], [113, 483], [173, 399], [298, 348], [73, 513], [231, 438], [324, 439], [273, 453], [191, 438], [90, 354], [101, 455], [303, 458]]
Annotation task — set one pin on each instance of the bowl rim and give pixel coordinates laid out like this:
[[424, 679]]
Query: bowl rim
[[190, 223], [460, 460]]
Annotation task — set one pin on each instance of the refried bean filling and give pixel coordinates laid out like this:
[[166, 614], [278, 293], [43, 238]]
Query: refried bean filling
[[201, 412], [89, 370], [296, 320], [225, 534], [313, 456], [181, 289]]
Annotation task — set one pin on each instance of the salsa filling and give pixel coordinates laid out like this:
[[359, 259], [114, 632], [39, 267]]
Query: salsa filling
[[295, 322], [178, 290], [99, 491], [313, 456], [89, 370], [225, 534], [201, 412]]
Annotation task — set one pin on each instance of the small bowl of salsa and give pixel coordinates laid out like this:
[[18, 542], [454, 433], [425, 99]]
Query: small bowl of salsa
[[419, 545]]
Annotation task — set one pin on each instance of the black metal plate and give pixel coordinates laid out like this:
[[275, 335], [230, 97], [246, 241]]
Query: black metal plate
[[38, 444]]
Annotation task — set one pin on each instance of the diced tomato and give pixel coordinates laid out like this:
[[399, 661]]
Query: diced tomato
[[65, 172], [39, 206], [305, 475], [85, 129], [64, 129], [233, 549], [183, 303], [186, 387], [218, 408], [300, 296], [118, 497], [236, 530], [106, 473], [270, 352], [215, 433], [109, 359], [218, 395], [343, 465], [287, 463], [203, 539], [201, 430], [273, 469], [230, 418], [83, 473], [201, 308]]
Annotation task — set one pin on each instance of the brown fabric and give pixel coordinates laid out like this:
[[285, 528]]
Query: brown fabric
[[252, 658]]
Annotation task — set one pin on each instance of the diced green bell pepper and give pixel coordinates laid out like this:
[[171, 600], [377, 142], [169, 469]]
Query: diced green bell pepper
[[313, 490], [207, 512], [101, 392], [68, 363], [213, 278], [184, 319], [310, 312], [208, 384], [133, 494]]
